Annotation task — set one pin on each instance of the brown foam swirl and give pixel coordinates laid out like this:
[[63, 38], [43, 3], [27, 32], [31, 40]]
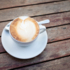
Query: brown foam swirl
[[26, 32]]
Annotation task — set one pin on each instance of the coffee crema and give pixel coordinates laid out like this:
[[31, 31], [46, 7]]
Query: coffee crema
[[24, 30]]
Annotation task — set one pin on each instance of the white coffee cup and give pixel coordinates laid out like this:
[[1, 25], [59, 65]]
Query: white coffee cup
[[41, 30]]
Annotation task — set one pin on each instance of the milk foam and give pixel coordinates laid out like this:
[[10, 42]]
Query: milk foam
[[22, 25], [23, 18], [26, 29]]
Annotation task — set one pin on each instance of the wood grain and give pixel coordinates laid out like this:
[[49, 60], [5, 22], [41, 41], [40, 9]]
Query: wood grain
[[14, 3], [53, 50], [1, 47], [58, 19], [59, 64], [55, 19], [58, 33], [34, 10]]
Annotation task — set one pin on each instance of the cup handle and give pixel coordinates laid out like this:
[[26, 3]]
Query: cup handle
[[41, 29], [8, 26]]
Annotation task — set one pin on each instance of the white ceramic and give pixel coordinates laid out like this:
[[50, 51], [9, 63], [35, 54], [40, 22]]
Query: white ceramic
[[23, 52], [41, 30], [44, 22]]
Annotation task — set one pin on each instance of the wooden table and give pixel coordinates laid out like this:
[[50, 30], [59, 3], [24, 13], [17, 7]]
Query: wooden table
[[56, 56]]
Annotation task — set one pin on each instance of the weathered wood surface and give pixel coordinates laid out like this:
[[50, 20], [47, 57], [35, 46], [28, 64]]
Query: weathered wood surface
[[40, 10], [52, 51], [1, 47], [55, 20], [34, 10], [15, 3], [59, 64], [58, 33], [54, 34]]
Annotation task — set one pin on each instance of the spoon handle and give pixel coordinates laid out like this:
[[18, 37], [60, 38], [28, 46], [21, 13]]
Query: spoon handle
[[41, 22], [44, 22]]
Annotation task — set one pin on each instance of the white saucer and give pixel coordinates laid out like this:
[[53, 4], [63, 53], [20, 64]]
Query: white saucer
[[23, 52]]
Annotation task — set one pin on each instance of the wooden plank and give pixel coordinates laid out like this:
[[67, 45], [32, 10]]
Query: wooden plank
[[61, 32], [1, 47], [14, 3], [58, 33], [34, 10], [2, 25], [59, 64], [55, 19], [53, 50], [54, 34], [58, 19]]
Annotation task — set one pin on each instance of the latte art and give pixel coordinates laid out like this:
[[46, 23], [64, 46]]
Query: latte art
[[22, 25], [24, 29]]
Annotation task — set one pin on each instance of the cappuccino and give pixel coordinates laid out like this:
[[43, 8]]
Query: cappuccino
[[24, 29]]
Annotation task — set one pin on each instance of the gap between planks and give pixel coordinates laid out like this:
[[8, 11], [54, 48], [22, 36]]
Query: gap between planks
[[35, 10], [40, 62], [32, 4], [47, 43], [40, 15], [61, 46]]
